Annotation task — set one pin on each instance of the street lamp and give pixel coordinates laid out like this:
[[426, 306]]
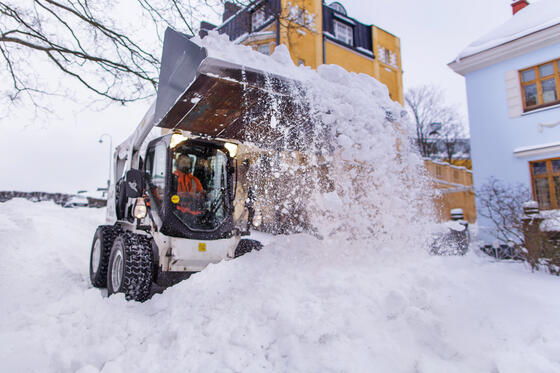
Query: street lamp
[[110, 155]]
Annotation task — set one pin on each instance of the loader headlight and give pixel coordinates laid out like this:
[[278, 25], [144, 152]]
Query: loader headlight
[[232, 149], [176, 139], [140, 209]]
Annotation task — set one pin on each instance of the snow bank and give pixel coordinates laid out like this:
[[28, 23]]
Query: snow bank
[[298, 305], [535, 17]]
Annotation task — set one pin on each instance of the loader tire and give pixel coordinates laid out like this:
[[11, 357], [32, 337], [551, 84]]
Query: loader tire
[[100, 250], [130, 267]]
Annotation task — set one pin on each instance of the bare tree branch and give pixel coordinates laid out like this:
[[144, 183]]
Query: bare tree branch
[[80, 39], [436, 122], [107, 56], [502, 204]]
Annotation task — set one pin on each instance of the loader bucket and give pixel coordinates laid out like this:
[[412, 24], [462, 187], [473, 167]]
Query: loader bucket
[[179, 64], [217, 98]]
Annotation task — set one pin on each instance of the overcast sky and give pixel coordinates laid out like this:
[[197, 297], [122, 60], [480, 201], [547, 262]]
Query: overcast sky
[[63, 153], [432, 33]]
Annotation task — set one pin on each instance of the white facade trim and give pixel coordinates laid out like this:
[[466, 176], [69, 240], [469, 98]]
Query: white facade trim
[[343, 18], [537, 150], [541, 109], [255, 36], [513, 94], [506, 51], [548, 125], [457, 190]]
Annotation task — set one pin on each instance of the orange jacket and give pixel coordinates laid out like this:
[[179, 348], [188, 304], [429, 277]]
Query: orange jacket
[[187, 183]]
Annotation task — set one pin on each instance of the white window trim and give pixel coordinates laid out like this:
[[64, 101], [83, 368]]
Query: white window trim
[[343, 18], [347, 37], [551, 107], [513, 94]]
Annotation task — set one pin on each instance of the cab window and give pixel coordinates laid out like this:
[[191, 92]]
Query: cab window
[[156, 160]]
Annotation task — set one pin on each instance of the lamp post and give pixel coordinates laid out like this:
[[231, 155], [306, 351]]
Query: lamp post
[[110, 155]]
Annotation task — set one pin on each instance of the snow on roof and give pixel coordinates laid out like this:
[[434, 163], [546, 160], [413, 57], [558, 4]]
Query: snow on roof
[[535, 17]]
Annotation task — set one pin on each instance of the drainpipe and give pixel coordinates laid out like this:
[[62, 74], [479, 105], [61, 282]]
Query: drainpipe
[[278, 12], [322, 32], [324, 52], [277, 30]]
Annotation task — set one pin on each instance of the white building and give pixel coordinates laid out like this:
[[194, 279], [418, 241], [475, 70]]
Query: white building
[[512, 77]]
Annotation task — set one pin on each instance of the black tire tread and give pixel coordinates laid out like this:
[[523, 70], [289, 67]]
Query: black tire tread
[[108, 235], [138, 269]]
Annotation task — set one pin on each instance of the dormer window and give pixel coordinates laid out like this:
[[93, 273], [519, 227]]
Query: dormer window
[[258, 18], [344, 32], [338, 7]]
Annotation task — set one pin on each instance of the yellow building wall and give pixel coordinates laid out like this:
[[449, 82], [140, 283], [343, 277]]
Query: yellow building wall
[[306, 46], [304, 43], [271, 41], [388, 74], [347, 58]]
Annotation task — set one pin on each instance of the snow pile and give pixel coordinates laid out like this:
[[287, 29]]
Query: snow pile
[[551, 220], [366, 297], [538, 16], [374, 181], [298, 305]]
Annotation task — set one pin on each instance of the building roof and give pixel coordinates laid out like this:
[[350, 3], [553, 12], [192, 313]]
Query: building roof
[[539, 15]]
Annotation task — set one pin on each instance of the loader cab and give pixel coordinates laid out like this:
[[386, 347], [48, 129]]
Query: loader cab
[[189, 182]]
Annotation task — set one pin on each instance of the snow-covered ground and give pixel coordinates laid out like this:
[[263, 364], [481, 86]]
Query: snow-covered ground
[[299, 305]]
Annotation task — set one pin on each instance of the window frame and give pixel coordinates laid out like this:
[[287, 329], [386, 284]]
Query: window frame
[[340, 37], [538, 82], [256, 22], [554, 199], [150, 156]]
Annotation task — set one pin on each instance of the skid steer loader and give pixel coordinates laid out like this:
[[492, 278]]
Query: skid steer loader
[[174, 205]]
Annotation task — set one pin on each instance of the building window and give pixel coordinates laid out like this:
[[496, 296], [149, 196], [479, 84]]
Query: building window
[[258, 18], [545, 176], [387, 56], [393, 59], [264, 48], [540, 85], [344, 32]]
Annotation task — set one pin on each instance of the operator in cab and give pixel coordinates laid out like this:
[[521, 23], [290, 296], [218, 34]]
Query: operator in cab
[[189, 187]]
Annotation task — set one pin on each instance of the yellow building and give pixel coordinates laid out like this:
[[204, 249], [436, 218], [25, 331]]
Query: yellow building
[[316, 34]]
